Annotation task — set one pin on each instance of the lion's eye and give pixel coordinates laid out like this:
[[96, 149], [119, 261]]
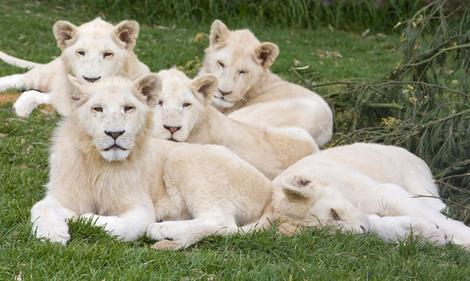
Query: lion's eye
[[241, 72], [97, 108], [160, 102], [107, 55], [81, 52], [186, 104], [221, 64], [128, 108]]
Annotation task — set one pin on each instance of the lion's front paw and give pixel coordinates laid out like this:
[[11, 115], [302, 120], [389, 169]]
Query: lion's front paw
[[167, 230], [110, 224], [52, 230], [353, 227], [24, 105], [168, 235], [429, 231], [154, 231], [406, 226]]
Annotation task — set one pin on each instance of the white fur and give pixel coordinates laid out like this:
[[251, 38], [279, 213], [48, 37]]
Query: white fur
[[363, 180], [17, 61], [49, 220], [86, 175], [185, 104], [28, 101], [216, 191], [96, 49], [256, 96], [397, 228], [198, 190]]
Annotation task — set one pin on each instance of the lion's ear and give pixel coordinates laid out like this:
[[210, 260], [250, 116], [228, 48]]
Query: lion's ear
[[219, 33], [298, 188], [65, 33], [147, 88], [204, 87], [126, 33], [79, 96], [266, 53]]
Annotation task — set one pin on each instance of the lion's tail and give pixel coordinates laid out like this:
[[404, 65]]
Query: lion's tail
[[17, 61]]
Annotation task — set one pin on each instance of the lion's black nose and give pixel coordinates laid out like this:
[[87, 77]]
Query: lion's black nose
[[114, 134], [91, 79], [172, 129], [224, 93]]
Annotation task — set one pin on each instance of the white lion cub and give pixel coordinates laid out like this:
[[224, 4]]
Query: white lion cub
[[92, 51], [252, 94], [365, 187], [106, 166], [184, 114]]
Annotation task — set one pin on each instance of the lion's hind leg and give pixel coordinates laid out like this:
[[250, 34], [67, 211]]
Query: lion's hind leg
[[182, 234], [15, 81]]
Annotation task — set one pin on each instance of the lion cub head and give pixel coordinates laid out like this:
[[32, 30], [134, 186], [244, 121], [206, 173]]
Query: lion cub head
[[181, 103], [114, 113], [238, 60], [96, 49], [301, 200]]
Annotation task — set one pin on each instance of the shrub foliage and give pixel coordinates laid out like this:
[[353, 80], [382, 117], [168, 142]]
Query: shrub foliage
[[357, 15], [423, 104]]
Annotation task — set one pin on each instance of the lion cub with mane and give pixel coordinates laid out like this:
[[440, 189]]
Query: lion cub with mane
[[104, 165], [183, 114], [252, 94], [91, 51]]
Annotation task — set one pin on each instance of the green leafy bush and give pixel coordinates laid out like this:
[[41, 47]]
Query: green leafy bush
[[344, 14], [423, 104]]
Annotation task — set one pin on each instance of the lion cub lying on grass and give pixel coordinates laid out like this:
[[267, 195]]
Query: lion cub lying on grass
[[184, 114], [252, 94], [92, 51], [364, 187], [105, 165]]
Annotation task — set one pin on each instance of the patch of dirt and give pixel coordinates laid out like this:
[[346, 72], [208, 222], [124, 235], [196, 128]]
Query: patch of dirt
[[8, 97]]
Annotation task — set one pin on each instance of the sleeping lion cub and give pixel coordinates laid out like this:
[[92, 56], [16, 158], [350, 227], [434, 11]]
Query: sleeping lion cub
[[104, 165], [252, 94], [364, 187]]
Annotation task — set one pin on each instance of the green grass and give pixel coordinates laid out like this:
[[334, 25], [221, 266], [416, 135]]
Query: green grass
[[25, 31]]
